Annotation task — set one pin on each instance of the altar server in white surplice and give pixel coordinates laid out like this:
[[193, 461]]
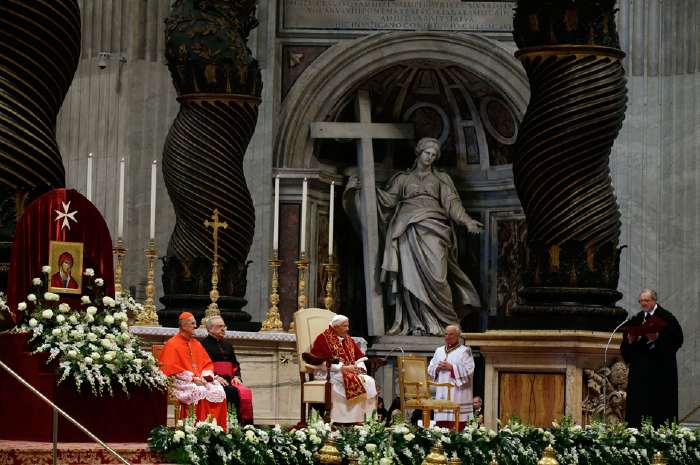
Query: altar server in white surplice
[[453, 363]]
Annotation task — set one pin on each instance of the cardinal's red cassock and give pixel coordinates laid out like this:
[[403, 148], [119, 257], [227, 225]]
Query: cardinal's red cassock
[[353, 395], [184, 358]]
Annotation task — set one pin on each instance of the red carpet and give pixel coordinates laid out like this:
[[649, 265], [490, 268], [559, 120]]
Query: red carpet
[[74, 453]]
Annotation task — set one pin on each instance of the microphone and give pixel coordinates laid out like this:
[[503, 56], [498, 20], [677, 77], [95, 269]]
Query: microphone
[[605, 364], [391, 352]]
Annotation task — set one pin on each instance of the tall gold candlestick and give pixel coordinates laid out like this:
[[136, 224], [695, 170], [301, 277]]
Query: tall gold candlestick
[[148, 316], [119, 251], [213, 307], [302, 265], [272, 320], [330, 269]]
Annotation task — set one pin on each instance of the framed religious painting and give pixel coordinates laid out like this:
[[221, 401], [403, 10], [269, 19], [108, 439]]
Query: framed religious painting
[[66, 261]]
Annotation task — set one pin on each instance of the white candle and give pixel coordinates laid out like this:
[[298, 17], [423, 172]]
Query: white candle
[[276, 221], [153, 199], [330, 220], [120, 211], [302, 244], [88, 191]]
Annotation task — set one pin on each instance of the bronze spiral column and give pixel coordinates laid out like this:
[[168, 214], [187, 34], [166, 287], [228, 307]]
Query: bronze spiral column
[[218, 84], [39, 52], [561, 167]]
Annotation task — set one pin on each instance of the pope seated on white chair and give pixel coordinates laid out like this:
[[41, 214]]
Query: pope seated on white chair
[[353, 393]]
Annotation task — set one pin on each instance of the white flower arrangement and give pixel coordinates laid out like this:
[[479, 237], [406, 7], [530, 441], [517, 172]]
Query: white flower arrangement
[[513, 444], [128, 305], [71, 336], [46, 269], [4, 308]]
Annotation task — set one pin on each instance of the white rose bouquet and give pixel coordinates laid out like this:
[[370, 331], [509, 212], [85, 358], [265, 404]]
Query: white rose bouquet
[[71, 334]]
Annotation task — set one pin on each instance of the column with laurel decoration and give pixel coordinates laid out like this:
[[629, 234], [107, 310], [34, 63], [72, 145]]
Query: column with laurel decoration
[[570, 51], [218, 83]]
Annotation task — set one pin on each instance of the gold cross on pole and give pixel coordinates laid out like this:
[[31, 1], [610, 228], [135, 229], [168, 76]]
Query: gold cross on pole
[[215, 224]]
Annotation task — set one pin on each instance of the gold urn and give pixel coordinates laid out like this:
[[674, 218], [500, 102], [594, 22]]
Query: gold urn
[[658, 459], [436, 456], [328, 453], [548, 457]]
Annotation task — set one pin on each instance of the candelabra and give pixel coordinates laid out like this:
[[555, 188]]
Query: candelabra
[[272, 320], [148, 316], [330, 269], [119, 251], [302, 265]]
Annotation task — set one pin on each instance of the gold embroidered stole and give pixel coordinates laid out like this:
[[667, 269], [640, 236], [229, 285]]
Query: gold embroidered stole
[[345, 352]]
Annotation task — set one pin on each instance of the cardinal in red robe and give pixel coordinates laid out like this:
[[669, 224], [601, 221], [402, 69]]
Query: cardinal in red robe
[[195, 382], [354, 394]]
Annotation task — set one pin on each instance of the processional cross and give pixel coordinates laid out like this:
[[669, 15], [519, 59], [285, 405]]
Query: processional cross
[[364, 132], [213, 308]]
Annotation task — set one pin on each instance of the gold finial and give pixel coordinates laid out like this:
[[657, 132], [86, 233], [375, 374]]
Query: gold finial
[[436, 456], [272, 320], [148, 316], [302, 265], [328, 453], [119, 251], [330, 269], [213, 308], [548, 457], [658, 459]]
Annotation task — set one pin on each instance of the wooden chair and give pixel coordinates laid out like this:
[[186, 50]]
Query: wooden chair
[[414, 389], [156, 350], [309, 323]]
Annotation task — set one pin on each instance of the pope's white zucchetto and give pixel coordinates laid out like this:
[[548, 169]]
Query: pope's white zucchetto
[[338, 320]]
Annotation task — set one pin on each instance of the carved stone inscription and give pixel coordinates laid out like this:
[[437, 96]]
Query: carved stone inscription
[[422, 15]]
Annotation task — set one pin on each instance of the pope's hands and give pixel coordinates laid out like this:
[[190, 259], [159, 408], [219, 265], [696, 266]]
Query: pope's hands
[[352, 369]]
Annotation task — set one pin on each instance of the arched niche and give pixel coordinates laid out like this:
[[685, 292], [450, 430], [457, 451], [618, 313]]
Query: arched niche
[[346, 66]]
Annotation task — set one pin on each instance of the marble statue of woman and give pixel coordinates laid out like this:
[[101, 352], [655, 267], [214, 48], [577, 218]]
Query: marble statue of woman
[[419, 209]]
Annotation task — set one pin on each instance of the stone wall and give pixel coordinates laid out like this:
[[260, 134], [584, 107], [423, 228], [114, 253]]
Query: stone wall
[[655, 169]]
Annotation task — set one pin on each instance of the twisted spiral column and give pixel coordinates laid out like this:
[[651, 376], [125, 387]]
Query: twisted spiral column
[[562, 175], [561, 172], [39, 53], [203, 170]]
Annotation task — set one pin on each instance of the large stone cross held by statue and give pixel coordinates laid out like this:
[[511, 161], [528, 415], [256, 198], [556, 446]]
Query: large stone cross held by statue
[[364, 132]]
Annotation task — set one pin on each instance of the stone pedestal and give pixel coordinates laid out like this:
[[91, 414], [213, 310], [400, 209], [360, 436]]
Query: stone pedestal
[[538, 375]]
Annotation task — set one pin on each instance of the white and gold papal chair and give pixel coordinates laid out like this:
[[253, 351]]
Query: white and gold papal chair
[[309, 323]]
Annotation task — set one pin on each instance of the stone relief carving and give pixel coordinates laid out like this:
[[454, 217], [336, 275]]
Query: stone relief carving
[[608, 383]]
